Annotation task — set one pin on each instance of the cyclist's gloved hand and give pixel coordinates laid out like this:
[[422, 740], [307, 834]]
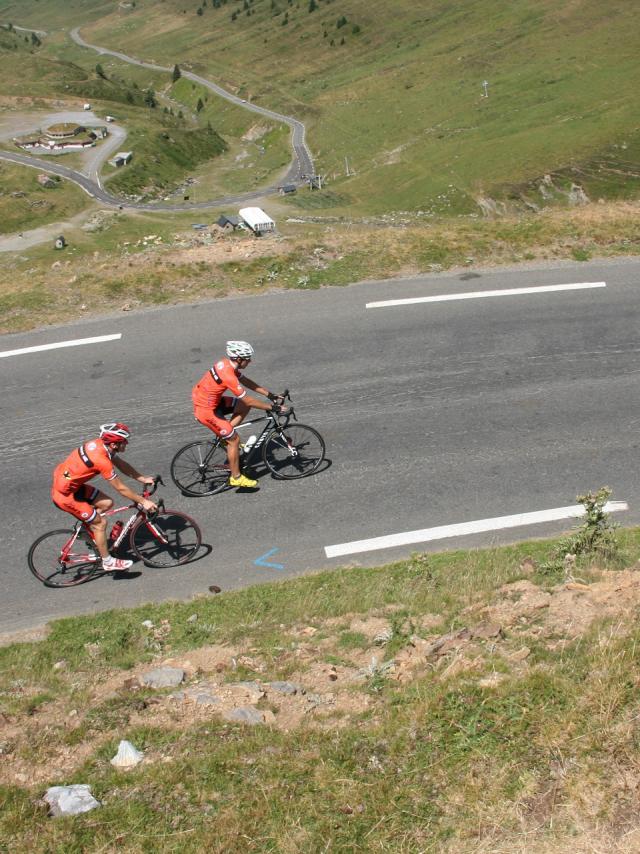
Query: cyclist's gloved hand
[[278, 409], [276, 398], [148, 505]]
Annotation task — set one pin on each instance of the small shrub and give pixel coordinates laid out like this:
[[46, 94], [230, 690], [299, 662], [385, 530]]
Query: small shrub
[[595, 538]]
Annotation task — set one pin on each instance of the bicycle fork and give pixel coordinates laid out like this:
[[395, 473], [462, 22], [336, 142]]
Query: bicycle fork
[[157, 533], [292, 448]]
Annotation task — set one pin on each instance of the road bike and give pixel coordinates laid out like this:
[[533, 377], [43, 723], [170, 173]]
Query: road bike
[[65, 558], [287, 448]]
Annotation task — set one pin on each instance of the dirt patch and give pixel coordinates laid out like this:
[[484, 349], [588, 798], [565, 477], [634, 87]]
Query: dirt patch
[[221, 248], [255, 132], [570, 609], [32, 635]]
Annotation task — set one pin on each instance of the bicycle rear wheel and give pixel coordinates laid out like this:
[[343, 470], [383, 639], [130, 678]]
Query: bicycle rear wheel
[[200, 468], [169, 538], [293, 451], [45, 559]]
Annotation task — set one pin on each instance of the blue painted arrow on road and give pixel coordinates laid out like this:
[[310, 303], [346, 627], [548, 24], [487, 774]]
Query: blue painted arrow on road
[[261, 561]]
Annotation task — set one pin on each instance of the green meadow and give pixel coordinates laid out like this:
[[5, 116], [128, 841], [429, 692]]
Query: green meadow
[[398, 90]]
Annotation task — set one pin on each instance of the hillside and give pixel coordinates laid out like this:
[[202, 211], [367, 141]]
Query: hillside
[[397, 90], [379, 709]]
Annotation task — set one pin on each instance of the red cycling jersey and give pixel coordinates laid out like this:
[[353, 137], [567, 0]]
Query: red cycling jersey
[[81, 465], [221, 376], [68, 491]]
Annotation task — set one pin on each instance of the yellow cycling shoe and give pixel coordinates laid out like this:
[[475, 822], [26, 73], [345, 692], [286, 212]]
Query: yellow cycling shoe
[[243, 481]]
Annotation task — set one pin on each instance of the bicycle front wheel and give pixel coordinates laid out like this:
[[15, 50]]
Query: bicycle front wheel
[[293, 451], [169, 538], [200, 468], [80, 564]]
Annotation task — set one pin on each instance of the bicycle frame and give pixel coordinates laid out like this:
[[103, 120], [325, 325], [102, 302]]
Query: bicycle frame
[[272, 423], [260, 440], [70, 558]]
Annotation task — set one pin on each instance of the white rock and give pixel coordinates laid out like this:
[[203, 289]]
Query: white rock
[[70, 800], [127, 756]]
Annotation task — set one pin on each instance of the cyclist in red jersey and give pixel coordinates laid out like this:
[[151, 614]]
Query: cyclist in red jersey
[[211, 404], [72, 493]]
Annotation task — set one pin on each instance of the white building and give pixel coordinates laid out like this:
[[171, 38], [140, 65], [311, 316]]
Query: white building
[[257, 220]]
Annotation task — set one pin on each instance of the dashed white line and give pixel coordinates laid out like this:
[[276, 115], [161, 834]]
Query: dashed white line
[[444, 532], [510, 292], [76, 342]]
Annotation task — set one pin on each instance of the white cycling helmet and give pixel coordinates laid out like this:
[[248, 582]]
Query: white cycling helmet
[[239, 350], [115, 431]]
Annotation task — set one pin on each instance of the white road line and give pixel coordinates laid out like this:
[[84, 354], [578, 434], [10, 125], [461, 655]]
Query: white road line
[[76, 342], [463, 528], [510, 292]]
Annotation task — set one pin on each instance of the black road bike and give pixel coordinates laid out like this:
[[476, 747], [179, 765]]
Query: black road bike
[[287, 448]]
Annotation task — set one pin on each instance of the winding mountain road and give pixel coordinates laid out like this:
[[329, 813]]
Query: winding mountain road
[[301, 163]]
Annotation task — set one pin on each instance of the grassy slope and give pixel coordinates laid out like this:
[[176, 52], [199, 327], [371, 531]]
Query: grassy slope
[[162, 156], [486, 755], [36, 205], [401, 98]]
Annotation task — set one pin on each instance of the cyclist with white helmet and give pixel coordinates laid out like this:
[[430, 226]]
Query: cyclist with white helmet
[[72, 493], [211, 404]]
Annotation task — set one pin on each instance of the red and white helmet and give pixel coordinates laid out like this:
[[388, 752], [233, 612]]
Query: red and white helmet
[[239, 350], [116, 431]]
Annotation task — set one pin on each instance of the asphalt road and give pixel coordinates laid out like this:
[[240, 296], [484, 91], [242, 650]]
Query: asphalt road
[[433, 414]]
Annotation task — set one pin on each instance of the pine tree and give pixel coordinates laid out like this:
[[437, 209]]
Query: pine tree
[[199, 105], [177, 74]]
